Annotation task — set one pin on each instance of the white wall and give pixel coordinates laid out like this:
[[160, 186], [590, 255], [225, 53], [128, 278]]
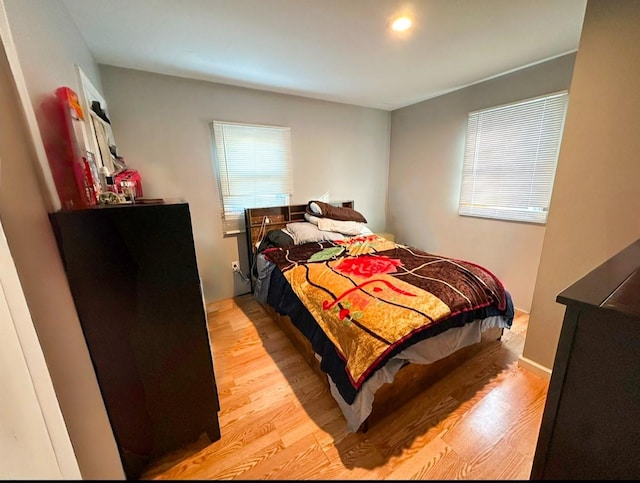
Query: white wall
[[48, 45], [425, 169], [161, 128], [596, 196]]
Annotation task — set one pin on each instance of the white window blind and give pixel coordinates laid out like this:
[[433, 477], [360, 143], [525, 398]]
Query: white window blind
[[510, 159], [253, 164]]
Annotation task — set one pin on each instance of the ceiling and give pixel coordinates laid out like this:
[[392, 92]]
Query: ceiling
[[336, 50]]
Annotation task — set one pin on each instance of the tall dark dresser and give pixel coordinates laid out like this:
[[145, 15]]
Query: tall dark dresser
[[591, 422], [134, 278]]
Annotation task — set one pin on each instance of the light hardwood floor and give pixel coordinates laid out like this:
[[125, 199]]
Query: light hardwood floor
[[278, 421]]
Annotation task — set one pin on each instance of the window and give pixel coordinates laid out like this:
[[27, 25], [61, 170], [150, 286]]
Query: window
[[510, 159], [253, 164]]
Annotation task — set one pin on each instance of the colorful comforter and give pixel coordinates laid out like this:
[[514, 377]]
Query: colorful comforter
[[372, 298]]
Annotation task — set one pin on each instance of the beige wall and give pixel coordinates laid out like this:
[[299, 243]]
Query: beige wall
[[161, 128], [425, 169], [596, 196], [48, 45]]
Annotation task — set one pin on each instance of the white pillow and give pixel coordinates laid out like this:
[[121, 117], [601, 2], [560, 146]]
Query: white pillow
[[311, 218], [345, 227], [315, 208], [350, 228], [305, 232]]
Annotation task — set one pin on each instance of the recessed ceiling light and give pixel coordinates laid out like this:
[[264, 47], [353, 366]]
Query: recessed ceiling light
[[401, 23]]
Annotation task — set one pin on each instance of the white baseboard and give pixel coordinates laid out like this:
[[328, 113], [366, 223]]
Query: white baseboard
[[211, 308], [534, 367], [219, 305]]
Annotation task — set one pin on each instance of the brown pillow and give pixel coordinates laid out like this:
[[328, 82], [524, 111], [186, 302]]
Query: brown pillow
[[341, 213]]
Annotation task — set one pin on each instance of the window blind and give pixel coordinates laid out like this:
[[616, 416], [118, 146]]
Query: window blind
[[510, 159], [253, 165]]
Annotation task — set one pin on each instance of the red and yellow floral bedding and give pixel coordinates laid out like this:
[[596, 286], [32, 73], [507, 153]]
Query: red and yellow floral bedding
[[372, 296]]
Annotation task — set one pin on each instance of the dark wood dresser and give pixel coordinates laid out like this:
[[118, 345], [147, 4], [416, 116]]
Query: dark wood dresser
[[134, 278], [591, 422]]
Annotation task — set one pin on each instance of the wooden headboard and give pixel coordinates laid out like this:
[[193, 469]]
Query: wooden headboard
[[277, 218]]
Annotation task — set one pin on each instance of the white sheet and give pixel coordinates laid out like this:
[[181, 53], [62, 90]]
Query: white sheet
[[423, 352]]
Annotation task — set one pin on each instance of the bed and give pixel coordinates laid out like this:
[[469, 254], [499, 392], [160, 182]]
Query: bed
[[377, 320]]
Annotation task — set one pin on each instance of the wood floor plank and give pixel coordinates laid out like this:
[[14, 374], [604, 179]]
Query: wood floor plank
[[481, 465], [291, 464], [278, 420], [419, 464]]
